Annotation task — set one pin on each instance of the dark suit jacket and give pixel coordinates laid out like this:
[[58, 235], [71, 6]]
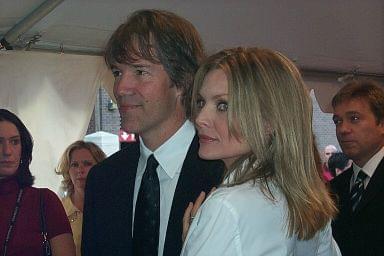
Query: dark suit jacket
[[360, 232], [107, 220]]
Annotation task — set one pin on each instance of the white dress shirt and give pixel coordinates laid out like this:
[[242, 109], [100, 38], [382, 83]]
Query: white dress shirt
[[170, 156], [240, 220], [369, 168]]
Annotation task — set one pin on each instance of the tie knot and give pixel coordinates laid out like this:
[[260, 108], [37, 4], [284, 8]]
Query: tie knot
[[152, 162], [360, 176]]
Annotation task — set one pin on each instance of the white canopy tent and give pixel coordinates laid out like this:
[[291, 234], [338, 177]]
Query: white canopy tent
[[54, 93]]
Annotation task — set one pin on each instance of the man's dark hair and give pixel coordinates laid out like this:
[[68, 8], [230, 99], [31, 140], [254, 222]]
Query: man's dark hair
[[363, 89], [23, 175], [160, 37]]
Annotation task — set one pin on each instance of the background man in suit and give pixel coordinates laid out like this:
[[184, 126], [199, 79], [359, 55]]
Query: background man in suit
[[153, 56], [359, 119]]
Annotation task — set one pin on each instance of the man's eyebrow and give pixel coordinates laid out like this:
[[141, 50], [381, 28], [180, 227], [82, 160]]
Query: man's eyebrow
[[139, 65], [352, 112]]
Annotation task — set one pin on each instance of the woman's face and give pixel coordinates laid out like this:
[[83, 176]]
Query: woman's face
[[10, 149], [81, 162], [212, 121]]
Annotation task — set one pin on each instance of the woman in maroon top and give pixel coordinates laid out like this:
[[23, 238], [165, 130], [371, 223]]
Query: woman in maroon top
[[20, 227]]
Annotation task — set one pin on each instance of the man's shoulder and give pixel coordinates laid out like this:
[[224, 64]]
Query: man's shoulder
[[342, 179], [116, 163]]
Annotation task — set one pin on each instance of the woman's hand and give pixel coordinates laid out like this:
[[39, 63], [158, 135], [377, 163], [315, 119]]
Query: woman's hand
[[191, 211]]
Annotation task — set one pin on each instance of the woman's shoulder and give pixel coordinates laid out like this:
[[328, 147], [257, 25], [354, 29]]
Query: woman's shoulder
[[69, 207], [247, 198], [49, 197], [249, 191]]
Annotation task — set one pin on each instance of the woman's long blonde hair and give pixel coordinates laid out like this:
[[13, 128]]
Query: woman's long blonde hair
[[271, 104]]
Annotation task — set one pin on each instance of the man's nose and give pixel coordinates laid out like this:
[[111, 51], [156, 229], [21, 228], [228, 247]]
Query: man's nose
[[343, 128], [125, 85]]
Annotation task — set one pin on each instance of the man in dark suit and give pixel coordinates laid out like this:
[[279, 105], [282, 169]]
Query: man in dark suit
[[146, 186], [359, 118]]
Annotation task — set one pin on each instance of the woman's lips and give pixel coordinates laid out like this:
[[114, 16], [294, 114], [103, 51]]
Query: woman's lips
[[7, 163], [206, 138]]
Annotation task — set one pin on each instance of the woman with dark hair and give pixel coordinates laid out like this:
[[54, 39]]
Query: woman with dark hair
[[26, 210]]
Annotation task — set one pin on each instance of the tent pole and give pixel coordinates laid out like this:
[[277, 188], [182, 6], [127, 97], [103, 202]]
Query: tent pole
[[24, 25]]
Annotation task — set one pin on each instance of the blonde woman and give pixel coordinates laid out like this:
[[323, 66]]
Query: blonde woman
[[74, 166], [252, 110]]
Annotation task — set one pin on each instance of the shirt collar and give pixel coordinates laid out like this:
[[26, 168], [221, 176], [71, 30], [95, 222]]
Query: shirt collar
[[370, 167], [171, 153]]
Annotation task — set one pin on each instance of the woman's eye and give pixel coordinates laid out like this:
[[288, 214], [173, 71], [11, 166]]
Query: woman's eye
[[88, 163], [200, 103], [74, 165], [116, 72], [15, 142], [222, 106]]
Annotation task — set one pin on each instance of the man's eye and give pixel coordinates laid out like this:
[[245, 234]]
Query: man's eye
[[116, 72], [355, 118], [336, 121], [222, 106], [140, 72]]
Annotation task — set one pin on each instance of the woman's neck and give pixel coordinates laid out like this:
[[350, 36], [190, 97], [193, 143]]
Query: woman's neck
[[77, 199]]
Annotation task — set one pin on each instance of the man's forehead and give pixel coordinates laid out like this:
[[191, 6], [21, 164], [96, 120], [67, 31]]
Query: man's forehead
[[139, 63], [352, 105]]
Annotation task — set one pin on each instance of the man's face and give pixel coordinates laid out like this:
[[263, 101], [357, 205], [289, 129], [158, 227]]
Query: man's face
[[148, 103], [358, 132]]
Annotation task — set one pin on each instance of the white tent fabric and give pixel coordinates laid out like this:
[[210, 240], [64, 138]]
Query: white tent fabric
[[54, 95], [108, 142]]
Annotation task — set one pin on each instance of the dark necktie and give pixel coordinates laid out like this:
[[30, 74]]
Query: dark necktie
[[147, 213], [357, 189]]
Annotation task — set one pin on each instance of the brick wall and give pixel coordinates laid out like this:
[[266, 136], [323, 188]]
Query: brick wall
[[109, 118]]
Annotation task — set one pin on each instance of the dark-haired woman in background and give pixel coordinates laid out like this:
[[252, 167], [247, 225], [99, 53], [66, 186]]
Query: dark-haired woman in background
[[20, 215]]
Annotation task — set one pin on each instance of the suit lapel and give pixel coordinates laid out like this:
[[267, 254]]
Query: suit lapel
[[375, 185], [196, 175], [341, 186], [185, 190], [122, 187]]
